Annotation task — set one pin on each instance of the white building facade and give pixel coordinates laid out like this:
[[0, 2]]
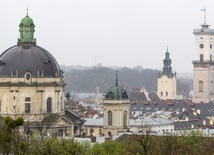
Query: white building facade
[[203, 65]]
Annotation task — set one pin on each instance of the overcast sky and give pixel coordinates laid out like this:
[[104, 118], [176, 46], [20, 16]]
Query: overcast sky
[[116, 32]]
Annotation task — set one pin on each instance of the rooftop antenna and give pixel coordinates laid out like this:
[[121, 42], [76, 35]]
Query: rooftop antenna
[[95, 60]]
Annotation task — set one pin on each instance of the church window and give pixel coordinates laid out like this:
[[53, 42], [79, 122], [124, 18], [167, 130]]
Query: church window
[[200, 84], [109, 118], [27, 105], [167, 93], [49, 105], [201, 57], [125, 118], [28, 76], [211, 46], [161, 93], [210, 57]]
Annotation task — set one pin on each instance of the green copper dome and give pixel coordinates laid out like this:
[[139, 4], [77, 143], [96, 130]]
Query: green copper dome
[[116, 92], [26, 21], [26, 29]]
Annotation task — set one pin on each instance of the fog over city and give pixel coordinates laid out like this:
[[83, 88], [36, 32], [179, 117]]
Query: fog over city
[[112, 32]]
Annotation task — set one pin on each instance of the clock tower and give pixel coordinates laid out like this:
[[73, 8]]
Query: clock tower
[[203, 65]]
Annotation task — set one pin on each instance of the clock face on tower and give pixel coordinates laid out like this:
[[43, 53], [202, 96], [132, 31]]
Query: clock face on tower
[[201, 46]]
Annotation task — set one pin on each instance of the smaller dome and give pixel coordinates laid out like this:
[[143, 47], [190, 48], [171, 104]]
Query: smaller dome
[[116, 92], [27, 21]]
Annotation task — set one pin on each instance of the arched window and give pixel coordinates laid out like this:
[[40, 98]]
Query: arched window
[[109, 118], [27, 105], [166, 93], [200, 84], [161, 93], [125, 118], [49, 105]]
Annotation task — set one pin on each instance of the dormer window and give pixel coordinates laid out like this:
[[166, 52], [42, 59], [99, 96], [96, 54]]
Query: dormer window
[[27, 76]]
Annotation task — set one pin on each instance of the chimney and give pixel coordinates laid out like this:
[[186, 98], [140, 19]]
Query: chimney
[[199, 111], [211, 122], [204, 122], [192, 126]]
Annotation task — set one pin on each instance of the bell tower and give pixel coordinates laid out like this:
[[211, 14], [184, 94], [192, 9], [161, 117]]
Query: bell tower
[[167, 88], [203, 64]]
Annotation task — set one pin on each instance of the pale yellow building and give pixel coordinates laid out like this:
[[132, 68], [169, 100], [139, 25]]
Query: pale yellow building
[[167, 84], [116, 105]]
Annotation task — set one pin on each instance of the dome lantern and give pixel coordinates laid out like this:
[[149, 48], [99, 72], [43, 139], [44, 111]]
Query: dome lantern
[[26, 29]]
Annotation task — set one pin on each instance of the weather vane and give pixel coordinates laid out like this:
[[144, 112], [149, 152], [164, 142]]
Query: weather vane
[[204, 10]]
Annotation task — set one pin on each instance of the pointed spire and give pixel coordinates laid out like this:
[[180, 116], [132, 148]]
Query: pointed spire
[[167, 53], [167, 69], [116, 78]]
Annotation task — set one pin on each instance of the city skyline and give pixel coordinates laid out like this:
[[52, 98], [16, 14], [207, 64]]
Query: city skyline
[[111, 33]]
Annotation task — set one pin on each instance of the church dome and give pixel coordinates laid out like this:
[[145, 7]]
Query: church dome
[[116, 92], [27, 57], [26, 21]]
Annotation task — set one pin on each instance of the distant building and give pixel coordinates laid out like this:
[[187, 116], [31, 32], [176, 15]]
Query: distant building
[[167, 87], [203, 63], [116, 105]]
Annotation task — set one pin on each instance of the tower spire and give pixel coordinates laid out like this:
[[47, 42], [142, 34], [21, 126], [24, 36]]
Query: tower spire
[[167, 69], [116, 78]]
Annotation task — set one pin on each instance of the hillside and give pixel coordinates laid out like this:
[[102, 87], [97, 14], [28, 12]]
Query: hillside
[[85, 79]]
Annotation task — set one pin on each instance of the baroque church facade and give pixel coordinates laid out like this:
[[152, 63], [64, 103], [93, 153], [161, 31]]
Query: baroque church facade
[[32, 86], [31, 81]]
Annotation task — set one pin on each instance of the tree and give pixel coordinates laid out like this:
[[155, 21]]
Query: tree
[[10, 138], [143, 144]]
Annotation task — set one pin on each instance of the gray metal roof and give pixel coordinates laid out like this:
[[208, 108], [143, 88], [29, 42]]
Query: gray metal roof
[[28, 57]]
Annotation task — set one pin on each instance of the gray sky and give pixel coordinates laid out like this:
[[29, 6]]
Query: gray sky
[[117, 32]]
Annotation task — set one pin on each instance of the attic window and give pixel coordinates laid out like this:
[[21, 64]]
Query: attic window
[[2, 63], [27, 76], [47, 62]]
